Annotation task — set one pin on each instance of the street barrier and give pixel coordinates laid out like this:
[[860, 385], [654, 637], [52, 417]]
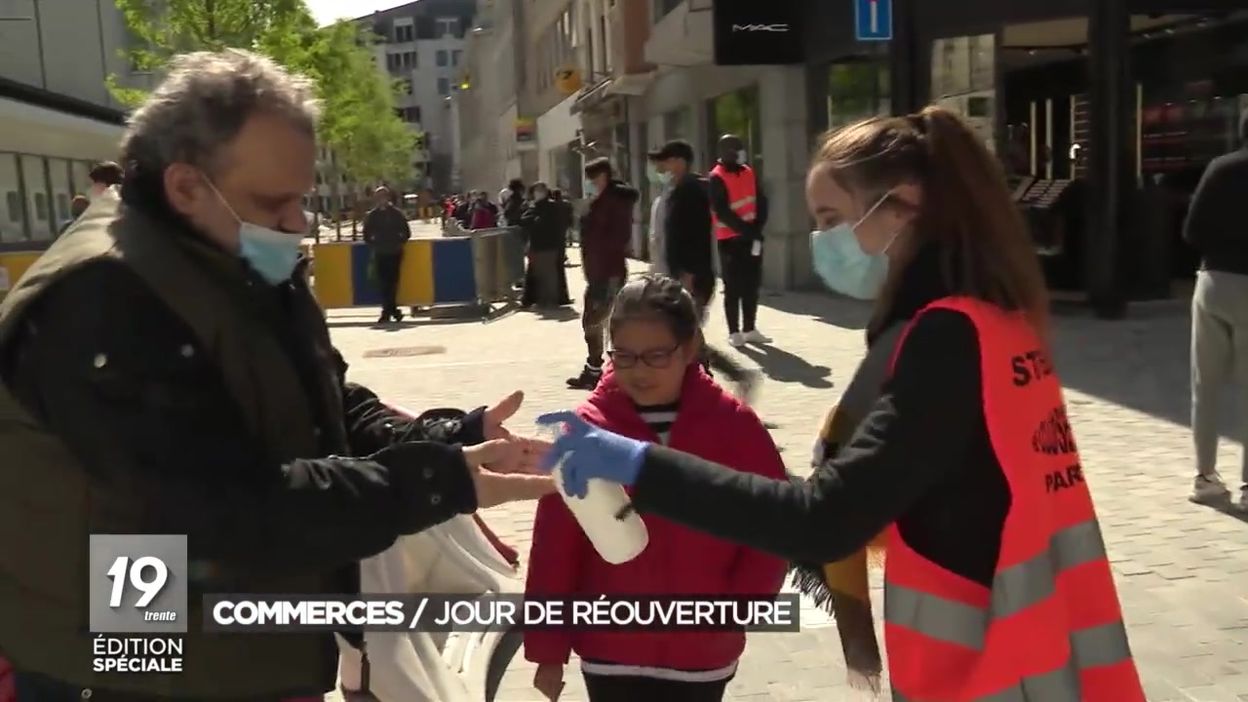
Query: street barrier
[[476, 269]]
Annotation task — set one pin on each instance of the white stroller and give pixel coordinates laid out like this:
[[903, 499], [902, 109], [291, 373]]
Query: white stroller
[[455, 557]]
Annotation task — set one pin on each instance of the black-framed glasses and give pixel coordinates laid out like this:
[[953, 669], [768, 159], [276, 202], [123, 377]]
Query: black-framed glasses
[[657, 358]]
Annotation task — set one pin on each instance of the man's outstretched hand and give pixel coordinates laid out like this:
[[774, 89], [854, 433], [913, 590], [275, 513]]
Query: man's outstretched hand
[[494, 487], [496, 417], [526, 453]]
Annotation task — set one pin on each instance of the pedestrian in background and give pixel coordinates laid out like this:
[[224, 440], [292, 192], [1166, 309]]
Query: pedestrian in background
[[686, 222], [541, 222], [688, 250], [655, 390], [482, 214], [661, 181], [512, 200], [387, 231], [106, 177], [739, 207], [463, 208], [78, 206], [1217, 228], [566, 218], [606, 230], [996, 583]]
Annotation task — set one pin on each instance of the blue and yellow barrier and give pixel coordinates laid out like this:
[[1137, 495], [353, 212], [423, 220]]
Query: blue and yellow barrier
[[12, 266], [434, 272]]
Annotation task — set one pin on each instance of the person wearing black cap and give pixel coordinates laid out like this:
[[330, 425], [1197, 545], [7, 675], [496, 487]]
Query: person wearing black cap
[[687, 221], [688, 253]]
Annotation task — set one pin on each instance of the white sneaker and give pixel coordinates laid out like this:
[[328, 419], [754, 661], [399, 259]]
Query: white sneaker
[[754, 336], [1209, 488], [737, 340]]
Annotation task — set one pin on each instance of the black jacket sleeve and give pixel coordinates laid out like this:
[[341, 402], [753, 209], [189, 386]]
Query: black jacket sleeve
[[687, 229], [1214, 212], [101, 363], [373, 425], [915, 438]]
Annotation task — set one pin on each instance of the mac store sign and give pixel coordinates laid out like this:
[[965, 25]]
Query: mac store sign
[[758, 32]]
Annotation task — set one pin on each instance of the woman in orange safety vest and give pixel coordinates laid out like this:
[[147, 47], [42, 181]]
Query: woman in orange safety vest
[[997, 585]]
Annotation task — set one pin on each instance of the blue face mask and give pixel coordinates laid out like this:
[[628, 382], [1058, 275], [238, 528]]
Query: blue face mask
[[665, 178], [271, 253], [843, 265]]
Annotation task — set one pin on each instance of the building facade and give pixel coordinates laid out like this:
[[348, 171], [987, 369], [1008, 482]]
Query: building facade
[[422, 44], [497, 129], [56, 115], [556, 38]]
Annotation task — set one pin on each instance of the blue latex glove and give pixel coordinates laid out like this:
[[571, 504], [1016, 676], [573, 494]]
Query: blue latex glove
[[590, 452]]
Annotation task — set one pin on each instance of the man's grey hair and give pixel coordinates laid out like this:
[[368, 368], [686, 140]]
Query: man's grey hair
[[203, 103]]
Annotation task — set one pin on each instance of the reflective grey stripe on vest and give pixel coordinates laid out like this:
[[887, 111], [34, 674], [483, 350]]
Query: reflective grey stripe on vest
[[1061, 685], [1013, 590], [748, 200]]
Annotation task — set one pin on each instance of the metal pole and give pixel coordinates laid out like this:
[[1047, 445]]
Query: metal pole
[[1109, 76], [43, 62]]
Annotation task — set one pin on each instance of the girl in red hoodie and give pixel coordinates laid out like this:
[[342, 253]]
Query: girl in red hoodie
[[656, 390]]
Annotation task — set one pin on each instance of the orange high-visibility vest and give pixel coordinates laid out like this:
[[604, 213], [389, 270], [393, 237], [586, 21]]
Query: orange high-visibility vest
[[742, 198], [1050, 627]]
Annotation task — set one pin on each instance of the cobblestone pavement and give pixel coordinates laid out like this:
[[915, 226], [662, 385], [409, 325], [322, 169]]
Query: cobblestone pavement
[[1182, 570]]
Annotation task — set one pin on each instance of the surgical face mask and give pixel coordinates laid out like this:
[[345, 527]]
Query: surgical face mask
[[843, 265], [540, 195], [666, 178], [271, 253], [591, 189], [741, 156]]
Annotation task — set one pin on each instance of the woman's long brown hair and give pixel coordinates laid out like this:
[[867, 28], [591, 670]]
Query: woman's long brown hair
[[985, 248]]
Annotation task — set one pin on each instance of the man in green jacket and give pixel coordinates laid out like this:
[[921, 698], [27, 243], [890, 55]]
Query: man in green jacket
[[165, 370]]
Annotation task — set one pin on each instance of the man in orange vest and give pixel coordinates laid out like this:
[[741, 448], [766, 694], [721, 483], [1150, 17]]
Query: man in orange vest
[[739, 211]]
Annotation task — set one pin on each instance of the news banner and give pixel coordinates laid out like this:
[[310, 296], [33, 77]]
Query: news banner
[[139, 604]]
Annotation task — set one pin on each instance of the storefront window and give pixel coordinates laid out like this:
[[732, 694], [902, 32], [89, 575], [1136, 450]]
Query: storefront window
[[737, 113], [678, 124], [857, 90], [13, 213], [964, 81], [35, 179], [79, 180], [62, 191]]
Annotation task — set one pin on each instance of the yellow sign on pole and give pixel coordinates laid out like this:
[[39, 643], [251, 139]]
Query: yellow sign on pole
[[568, 80]]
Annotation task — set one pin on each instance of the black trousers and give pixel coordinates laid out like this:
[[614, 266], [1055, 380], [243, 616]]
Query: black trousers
[[599, 296], [743, 276], [624, 688], [388, 266]]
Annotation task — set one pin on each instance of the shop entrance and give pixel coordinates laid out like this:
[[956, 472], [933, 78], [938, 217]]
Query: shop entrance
[[1026, 88]]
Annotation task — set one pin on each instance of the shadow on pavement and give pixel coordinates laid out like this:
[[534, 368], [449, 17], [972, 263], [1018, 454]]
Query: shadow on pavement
[[1140, 362], [1225, 506], [558, 314], [824, 307], [783, 367]]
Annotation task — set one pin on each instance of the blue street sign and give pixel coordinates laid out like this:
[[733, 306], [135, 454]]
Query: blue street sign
[[873, 19]]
